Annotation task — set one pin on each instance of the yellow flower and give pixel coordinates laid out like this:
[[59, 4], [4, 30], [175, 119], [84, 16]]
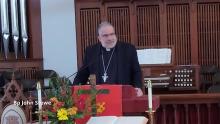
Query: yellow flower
[[62, 114], [100, 107], [72, 111]]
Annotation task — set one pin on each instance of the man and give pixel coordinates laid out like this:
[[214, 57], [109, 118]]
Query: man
[[112, 62]]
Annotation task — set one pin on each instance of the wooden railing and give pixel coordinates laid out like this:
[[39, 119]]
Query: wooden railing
[[188, 109], [26, 67]]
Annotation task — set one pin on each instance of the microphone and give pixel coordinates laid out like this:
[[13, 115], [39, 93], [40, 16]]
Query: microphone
[[81, 69], [84, 67]]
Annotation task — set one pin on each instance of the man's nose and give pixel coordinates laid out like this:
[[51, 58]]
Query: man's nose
[[109, 37]]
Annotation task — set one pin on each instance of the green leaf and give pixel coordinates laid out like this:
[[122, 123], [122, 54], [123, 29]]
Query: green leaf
[[79, 115]]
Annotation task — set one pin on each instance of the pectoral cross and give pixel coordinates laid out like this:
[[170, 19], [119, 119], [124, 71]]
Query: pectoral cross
[[104, 77]]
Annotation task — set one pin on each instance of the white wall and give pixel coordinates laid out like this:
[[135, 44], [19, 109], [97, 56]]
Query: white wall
[[59, 36]]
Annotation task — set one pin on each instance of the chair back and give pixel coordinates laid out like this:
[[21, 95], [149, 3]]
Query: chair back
[[214, 89], [216, 78], [9, 74], [45, 75], [42, 74]]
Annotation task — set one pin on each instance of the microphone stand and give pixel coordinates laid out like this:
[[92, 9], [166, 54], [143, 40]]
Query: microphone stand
[[84, 67]]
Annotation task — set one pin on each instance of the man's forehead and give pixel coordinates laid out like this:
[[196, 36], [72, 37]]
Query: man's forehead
[[106, 30], [105, 27]]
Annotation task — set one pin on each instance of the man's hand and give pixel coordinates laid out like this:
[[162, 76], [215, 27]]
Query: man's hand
[[139, 92]]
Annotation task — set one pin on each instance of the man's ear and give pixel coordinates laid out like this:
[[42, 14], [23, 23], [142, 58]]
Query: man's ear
[[99, 38]]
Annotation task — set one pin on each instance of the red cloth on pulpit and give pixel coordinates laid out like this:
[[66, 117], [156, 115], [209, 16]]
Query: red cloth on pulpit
[[113, 100], [121, 99]]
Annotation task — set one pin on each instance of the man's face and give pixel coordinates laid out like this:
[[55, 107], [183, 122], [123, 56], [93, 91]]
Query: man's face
[[107, 36]]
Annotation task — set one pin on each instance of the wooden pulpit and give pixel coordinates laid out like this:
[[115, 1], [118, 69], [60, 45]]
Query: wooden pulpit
[[119, 100]]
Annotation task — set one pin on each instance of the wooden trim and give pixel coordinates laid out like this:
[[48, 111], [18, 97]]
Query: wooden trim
[[176, 1], [147, 2], [116, 4], [15, 64], [194, 33], [80, 5], [189, 98], [206, 1], [163, 24], [133, 20], [35, 31], [78, 35]]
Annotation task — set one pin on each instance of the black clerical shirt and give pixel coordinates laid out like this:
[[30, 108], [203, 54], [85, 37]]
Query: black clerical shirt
[[123, 69], [112, 69]]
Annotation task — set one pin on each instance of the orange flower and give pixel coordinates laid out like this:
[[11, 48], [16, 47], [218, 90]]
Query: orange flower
[[53, 100], [100, 107], [72, 111]]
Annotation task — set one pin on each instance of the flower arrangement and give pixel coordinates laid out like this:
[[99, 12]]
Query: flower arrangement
[[67, 106]]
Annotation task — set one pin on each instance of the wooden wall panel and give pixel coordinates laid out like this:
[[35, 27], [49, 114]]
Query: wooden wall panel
[[34, 22], [192, 28], [90, 19], [178, 32], [120, 18], [148, 25], [209, 33]]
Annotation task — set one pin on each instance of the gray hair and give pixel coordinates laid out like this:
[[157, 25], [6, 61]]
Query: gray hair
[[103, 24]]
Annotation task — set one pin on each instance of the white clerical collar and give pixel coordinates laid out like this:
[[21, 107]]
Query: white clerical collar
[[108, 49]]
